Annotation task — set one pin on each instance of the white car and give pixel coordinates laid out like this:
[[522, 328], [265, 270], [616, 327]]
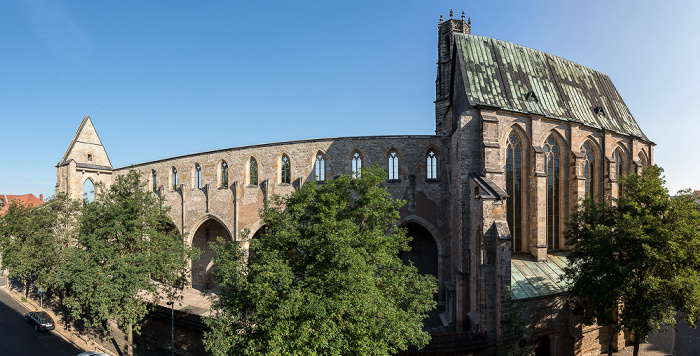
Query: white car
[[94, 353]]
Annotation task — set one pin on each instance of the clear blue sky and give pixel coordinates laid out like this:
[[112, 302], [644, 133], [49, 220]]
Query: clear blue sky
[[166, 78]]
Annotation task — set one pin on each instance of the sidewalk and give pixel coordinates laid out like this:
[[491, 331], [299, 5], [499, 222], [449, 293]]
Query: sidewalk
[[29, 305]]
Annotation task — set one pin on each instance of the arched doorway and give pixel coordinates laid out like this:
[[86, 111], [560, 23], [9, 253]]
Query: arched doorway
[[202, 278], [256, 235], [424, 250]]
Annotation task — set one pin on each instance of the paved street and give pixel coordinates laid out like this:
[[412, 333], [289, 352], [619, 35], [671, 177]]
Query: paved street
[[17, 337]]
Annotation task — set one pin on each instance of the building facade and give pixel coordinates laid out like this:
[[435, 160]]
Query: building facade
[[521, 136]]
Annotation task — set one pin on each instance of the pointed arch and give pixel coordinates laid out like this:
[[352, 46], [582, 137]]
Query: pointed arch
[[393, 164], [320, 166], [197, 176], [621, 162], [356, 161], [590, 158], [252, 171], [552, 148], [89, 193], [643, 160], [431, 163], [514, 168], [173, 178], [154, 180], [285, 171], [223, 174], [208, 229]]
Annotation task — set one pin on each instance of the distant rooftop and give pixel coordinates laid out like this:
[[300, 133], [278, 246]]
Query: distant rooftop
[[27, 199]]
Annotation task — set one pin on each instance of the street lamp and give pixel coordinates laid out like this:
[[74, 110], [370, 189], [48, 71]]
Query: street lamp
[[172, 327]]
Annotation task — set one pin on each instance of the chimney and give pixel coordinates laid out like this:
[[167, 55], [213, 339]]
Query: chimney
[[41, 197]]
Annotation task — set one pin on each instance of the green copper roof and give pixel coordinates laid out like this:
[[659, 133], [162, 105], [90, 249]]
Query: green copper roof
[[532, 279], [516, 78]]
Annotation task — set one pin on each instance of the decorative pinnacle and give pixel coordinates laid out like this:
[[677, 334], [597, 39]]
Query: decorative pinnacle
[[440, 19], [450, 13], [470, 22], [462, 15]]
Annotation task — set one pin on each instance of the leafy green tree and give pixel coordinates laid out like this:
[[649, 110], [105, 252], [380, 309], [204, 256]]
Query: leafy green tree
[[55, 227], [127, 252], [20, 255], [639, 257], [324, 279]]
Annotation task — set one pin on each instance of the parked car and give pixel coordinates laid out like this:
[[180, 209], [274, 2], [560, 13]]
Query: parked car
[[94, 353], [40, 320]]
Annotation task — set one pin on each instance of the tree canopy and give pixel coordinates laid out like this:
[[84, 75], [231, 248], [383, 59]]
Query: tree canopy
[[324, 278], [637, 257], [108, 259]]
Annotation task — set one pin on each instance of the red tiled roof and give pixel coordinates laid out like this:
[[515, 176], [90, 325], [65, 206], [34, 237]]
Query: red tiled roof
[[27, 199]]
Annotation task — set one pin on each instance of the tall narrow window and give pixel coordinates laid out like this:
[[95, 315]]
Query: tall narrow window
[[356, 165], [393, 166], [588, 160], [224, 174], [514, 190], [431, 165], [619, 164], [286, 170], [320, 168], [253, 174], [198, 176], [174, 178], [551, 151], [155, 180]]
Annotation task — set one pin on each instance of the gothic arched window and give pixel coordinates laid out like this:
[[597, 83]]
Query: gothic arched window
[[320, 168], [588, 167], [155, 180], [431, 165], [356, 165], [174, 178], [286, 171], [224, 174], [552, 166], [393, 166], [620, 170], [514, 189], [253, 172], [198, 176]]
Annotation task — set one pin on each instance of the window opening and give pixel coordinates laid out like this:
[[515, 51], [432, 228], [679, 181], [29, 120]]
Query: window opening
[[588, 160], [253, 174], [356, 165], [393, 166], [514, 190], [320, 168], [155, 180], [432, 165], [224, 175], [286, 170], [174, 178], [198, 176], [551, 151]]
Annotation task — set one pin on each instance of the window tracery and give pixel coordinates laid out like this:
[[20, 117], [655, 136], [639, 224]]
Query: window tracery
[[514, 190], [552, 170], [431, 165], [253, 172], [224, 174], [393, 166], [198, 176], [356, 165], [320, 168], [286, 171], [588, 167]]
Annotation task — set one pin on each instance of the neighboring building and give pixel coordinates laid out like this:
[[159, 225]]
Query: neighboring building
[[521, 136], [27, 199]]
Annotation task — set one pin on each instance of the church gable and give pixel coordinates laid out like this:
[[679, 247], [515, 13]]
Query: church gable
[[86, 148], [515, 78]]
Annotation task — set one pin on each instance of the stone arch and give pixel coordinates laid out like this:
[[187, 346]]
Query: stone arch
[[201, 270], [426, 225], [223, 174], [426, 252], [620, 152], [426, 171], [90, 195]]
